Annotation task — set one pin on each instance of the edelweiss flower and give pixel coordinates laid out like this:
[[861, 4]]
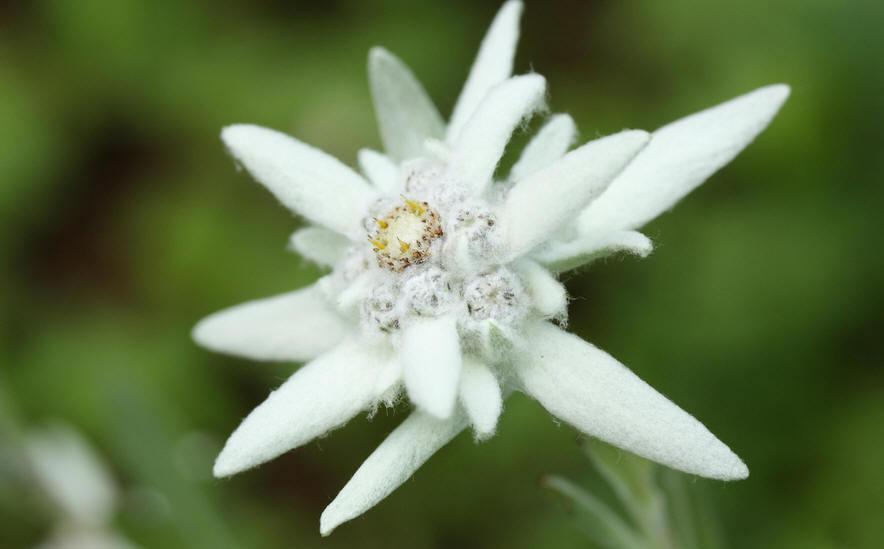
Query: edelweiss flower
[[442, 283]]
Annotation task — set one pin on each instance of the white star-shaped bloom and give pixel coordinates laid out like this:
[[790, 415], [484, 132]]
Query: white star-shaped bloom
[[443, 279]]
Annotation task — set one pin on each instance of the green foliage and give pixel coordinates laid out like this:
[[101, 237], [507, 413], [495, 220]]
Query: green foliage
[[659, 510]]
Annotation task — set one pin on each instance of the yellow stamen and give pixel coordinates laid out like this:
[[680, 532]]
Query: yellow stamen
[[378, 243], [382, 223], [403, 246], [415, 207]]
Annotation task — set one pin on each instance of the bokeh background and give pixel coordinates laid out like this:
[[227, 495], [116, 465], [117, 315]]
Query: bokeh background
[[123, 221]]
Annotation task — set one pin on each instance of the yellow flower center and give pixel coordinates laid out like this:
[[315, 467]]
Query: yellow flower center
[[404, 235]]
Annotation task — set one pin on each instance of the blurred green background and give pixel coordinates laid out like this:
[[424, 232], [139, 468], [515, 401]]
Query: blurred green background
[[123, 221]]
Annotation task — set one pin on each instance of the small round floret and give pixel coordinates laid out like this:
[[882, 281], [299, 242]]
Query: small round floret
[[404, 235]]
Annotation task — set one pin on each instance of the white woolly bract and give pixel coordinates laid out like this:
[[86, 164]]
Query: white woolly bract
[[550, 144], [480, 144], [546, 199], [560, 256], [589, 389], [493, 65], [293, 327], [322, 395], [548, 295], [322, 246], [305, 179], [480, 396], [380, 170], [406, 115], [388, 379], [395, 460], [680, 156], [431, 364]]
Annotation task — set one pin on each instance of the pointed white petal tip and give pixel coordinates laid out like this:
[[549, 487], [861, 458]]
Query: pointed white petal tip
[[717, 461], [733, 468], [681, 156], [236, 137], [235, 458], [331, 518], [777, 93], [405, 113], [291, 327], [481, 398], [739, 472], [548, 145], [225, 465], [304, 179], [563, 256], [480, 145], [232, 133], [382, 172], [319, 245], [379, 54], [408, 447], [319, 397], [326, 526], [493, 65], [591, 390], [764, 103]]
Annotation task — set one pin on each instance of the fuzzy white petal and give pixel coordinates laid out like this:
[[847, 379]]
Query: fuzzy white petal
[[71, 474], [589, 389], [562, 256], [548, 295], [679, 157], [546, 199], [480, 145], [389, 376], [380, 170], [431, 360], [406, 115], [480, 396], [351, 297], [550, 144], [397, 458], [321, 396], [294, 326], [322, 246], [493, 65], [305, 179]]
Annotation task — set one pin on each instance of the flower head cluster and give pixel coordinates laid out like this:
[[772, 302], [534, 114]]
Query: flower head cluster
[[443, 283]]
